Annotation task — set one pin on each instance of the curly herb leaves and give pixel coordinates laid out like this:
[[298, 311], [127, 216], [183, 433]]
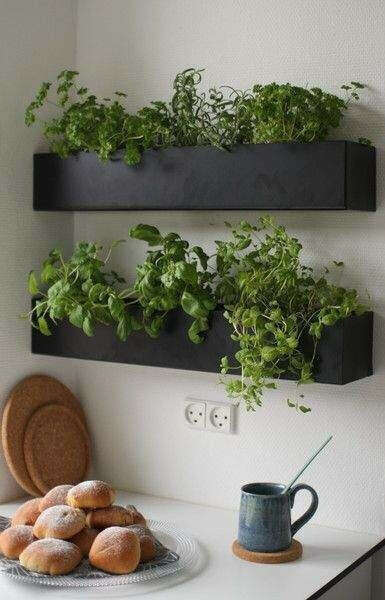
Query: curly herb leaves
[[270, 298], [221, 118]]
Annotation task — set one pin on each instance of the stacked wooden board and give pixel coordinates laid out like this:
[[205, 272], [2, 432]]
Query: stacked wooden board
[[44, 435]]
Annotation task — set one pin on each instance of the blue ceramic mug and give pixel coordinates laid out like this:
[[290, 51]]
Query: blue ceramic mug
[[265, 517]]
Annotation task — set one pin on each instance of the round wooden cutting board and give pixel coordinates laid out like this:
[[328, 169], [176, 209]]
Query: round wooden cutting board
[[26, 397], [56, 447]]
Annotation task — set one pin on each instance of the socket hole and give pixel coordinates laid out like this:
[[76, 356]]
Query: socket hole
[[191, 412], [200, 414], [216, 416], [195, 421], [220, 424], [225, 417]]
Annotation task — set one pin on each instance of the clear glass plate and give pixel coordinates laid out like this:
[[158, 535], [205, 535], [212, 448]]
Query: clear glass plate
[[175, 552]]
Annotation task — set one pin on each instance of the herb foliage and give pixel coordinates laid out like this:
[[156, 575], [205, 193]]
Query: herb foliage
[[81, 290], [272, 302], [270, 298], [222, 117]]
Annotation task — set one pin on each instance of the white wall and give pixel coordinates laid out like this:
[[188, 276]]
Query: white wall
[[37, 38]]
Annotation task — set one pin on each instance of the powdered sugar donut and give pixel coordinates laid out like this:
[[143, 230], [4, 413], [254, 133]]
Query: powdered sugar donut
[[27, 513], [15, 539], [53, 557], [58, 495], [101, 518], [91, 494], [146, 540], [60, 521], [116, 550]]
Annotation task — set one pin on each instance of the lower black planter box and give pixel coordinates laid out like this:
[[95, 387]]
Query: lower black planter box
[[331, 175], [344, 353]]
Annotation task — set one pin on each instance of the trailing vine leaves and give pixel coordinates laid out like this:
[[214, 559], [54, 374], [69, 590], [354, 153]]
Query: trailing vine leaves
[[272, 300], [222, 117]]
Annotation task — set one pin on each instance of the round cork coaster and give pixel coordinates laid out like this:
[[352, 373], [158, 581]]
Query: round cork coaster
[[269, 558], [26, 397], [56, 447]]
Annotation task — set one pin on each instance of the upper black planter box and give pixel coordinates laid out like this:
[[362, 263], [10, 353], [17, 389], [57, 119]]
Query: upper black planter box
[[344, 353], [332, 175]]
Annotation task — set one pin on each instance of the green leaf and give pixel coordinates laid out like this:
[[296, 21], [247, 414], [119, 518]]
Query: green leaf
[[88, 326], [154, 327], [58, 289], [147, 233], [193, 305], [32, 284], [224, 364], [292, 342], [290, 403], [186, 272], [131, 154], [116, 306], [76, 316], [269, 353], [329, 319], [43, 326], [197, 327], [304, 409], [48, 272], [55, 254], [123, 329], [202, 256]]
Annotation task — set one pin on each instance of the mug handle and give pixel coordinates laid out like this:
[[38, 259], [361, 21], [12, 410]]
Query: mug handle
[[310, 511]]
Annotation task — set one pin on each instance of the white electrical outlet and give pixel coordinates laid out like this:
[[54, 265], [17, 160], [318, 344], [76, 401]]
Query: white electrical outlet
[[219, 417], [210, 416], [195, 413]]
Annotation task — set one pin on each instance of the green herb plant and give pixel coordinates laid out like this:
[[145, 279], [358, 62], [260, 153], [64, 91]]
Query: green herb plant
[[173, 276], [276, 306], [222, 117], [273, 302], [81, 290]]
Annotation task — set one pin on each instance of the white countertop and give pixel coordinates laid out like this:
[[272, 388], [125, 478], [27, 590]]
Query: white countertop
[[219, 574]]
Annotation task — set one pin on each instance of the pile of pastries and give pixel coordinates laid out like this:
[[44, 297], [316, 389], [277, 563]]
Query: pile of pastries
[[54, 533]]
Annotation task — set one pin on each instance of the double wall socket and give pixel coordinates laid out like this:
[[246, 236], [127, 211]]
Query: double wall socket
[[211, 416]]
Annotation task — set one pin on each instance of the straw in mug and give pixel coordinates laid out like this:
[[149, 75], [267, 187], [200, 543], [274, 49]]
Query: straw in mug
[[306, 465]]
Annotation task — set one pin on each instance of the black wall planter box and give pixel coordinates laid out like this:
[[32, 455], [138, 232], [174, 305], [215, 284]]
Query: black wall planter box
[[344, 352], [331, 175]]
